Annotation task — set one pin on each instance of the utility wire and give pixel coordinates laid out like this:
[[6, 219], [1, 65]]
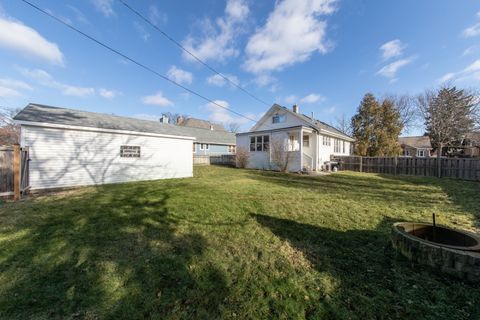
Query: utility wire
[[141, 65], [178, 44]]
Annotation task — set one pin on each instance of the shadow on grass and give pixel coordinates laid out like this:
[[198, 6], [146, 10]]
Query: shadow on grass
[[107, 255], [373, 280]]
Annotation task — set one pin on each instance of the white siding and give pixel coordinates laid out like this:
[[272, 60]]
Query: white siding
[[64, 158], [290, 121], [261, 160]]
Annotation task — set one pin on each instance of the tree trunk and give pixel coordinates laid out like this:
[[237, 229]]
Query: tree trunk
[[439, 160]]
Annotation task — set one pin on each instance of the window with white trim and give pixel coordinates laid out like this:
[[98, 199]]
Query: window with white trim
[[343, 146], [306, 140], [326, 141], [204, 146], [421, 153], [231, 149], [259, 143], [336, 145]]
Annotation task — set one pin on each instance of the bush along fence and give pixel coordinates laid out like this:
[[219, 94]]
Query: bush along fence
[[456, 168], [14, 171], [224, 159]]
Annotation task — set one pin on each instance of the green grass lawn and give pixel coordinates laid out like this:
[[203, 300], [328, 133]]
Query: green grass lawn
[[232, 243]]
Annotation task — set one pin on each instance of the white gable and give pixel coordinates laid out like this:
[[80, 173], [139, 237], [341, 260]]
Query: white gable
[[286, 117]]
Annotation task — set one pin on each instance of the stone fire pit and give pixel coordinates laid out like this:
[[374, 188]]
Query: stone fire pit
[[448, 250]]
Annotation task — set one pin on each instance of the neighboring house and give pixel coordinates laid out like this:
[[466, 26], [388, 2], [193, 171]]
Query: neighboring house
[[75, 148], [211, 138], [309, 142], [471, 144], [416, 146]]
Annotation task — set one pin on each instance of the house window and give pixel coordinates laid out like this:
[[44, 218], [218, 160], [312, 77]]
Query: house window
[[326, 141], [279, 118], [204, 146], [336, 145], [421, 153], [259, 143], [130, 151], [343, 146], [231, 149], [306, 140], [407, 152]]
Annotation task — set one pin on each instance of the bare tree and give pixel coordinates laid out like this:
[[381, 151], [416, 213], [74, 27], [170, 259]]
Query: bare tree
[[406, 107], [449, 114], [9, 131], [242, 156], [343, 124], [232, 127], [279, 154]]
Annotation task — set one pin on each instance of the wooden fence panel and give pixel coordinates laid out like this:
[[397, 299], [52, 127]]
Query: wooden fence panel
[[6, 171], [455, 168]]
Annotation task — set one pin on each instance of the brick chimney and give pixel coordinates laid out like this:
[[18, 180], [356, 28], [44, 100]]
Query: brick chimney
[[295, 108]]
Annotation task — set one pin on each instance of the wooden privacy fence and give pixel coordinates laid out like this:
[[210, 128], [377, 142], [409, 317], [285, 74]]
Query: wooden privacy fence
[[224, 159], [14, 171], [457, 168]]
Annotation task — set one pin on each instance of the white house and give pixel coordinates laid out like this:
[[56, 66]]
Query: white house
[[309, 142], [75, 148]]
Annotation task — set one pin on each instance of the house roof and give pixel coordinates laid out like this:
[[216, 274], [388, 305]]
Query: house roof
[[474, 136], [71, 117], [316, 124], [418, 142], [201, 124]]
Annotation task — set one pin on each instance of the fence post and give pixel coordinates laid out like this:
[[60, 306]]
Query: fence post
[[361, 164], [17, 178]]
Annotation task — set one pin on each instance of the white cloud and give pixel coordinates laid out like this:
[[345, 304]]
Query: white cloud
[[104, 6], [179, 75], [472, 31], [330, 110], [157, 99], [155, 16], [218, 40], [390, 70], [15, 84], [219, 81], [223, 116], [45, 79], [141, 31], [469, 50], [392, 49], [292, 33], [18, 37], [291, 99], [108, 94], [78, 91], [469, 73], [79, 15], [8, 92], [312, 98]]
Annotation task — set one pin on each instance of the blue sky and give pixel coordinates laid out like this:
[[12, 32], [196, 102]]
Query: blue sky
[[322, 54]]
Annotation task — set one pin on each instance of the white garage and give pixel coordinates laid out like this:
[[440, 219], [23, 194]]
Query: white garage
[[77, 148]]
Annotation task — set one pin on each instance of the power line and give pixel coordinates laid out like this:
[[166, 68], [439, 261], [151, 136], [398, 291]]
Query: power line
[[178, 44], [143, 66]]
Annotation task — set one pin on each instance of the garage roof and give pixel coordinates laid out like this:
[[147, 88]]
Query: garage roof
[[71, 117]]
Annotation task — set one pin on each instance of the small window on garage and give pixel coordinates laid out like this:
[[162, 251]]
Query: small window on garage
[[204, 146], [130, 151]]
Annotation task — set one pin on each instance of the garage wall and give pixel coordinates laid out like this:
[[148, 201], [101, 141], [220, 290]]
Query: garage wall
[[65, 158]]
